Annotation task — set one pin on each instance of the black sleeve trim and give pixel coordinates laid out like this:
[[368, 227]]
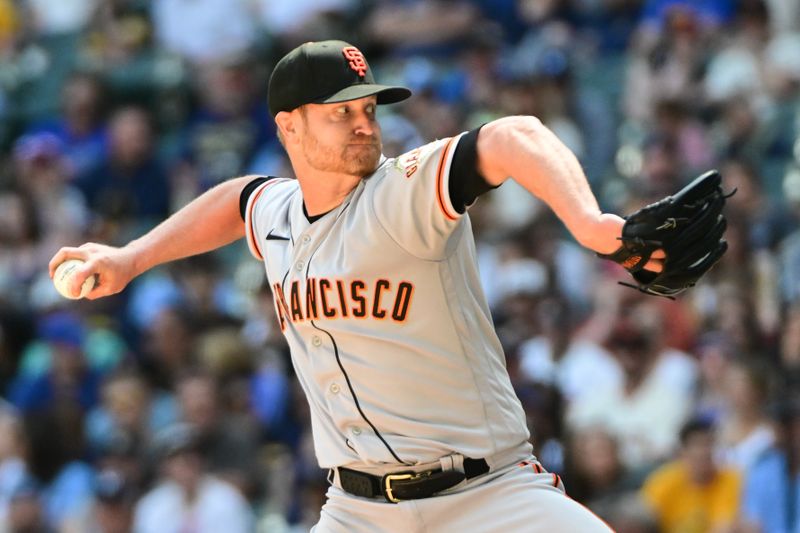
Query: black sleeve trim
[[466, 183], [248, 190]]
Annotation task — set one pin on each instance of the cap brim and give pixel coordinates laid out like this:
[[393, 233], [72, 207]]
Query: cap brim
[[386, 94]]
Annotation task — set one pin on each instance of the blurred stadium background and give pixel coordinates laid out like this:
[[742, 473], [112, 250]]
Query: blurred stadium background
[[672, 416]]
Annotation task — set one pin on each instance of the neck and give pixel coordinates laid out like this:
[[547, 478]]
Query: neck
[[190, 491], [324, 191], [633, 381], [702, 479]]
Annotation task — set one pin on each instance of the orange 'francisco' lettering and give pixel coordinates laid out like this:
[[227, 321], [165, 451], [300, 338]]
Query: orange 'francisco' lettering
[[326, 298]]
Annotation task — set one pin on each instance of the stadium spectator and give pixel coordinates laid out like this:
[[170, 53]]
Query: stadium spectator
[[631, 515], [55, 370], [205, 31], [596, 476], [789, 347], [577, 366], [56, 16], [42, 178], [13, 469], [20, 251], [80, 127], [228, 127], [187, 496], [228, 443], [656, 386], [111, 508], [129, 188], [293, 23], [25, 512], [129, 410], [693, 493], [55, 459], [715, 352], [667, 63], [774, 480], [745, 432], [168, 347]]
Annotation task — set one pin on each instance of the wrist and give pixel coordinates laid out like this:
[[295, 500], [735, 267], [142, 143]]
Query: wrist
[[602, 233], [137, 257]]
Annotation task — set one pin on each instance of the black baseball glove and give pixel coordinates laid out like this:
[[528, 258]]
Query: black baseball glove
[[687, 226]]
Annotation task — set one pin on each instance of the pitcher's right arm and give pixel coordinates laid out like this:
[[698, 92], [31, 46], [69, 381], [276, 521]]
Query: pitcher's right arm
[[208, 222]]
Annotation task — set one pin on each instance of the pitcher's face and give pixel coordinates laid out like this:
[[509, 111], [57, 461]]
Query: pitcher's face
[[343, 137]]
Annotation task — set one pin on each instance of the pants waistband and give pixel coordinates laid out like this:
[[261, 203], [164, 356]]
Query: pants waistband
[[421, 480], [402, 486]]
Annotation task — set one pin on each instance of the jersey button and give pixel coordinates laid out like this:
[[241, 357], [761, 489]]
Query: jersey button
[[299, 266], [356, 430], [335, 388], [306, 239], [316, 341]]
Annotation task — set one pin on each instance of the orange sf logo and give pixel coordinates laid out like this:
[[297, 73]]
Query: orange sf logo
[[356, 59]]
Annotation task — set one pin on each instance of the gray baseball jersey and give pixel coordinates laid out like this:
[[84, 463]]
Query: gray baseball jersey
[[389, 330]]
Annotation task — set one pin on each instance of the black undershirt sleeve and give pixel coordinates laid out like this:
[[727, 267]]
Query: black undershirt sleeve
[[248, 190], [466, 182]]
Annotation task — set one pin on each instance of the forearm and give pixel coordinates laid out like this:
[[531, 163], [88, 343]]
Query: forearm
[[208, 222], [523, 149]]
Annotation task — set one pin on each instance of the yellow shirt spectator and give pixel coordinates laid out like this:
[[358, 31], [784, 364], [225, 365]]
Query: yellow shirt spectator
[[8, 19], [692, 495]]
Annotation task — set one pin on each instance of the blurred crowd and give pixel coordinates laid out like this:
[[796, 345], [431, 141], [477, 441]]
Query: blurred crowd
[[173, 407]]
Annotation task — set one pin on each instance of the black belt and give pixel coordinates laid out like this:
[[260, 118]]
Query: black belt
[[399, 486]]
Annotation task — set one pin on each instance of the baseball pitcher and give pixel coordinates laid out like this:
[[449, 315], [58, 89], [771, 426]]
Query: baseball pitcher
[[371, 262]]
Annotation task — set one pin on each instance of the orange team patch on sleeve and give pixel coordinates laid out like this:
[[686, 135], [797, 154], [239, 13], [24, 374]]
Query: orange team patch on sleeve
[[408, 163], [440, 198]]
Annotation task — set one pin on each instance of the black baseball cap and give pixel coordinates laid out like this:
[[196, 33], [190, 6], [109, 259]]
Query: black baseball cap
[[325, 72]]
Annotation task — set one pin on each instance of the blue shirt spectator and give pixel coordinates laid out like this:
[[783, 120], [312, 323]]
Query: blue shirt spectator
[[79, 128], [129, 184], [66, 375], [771, 497]]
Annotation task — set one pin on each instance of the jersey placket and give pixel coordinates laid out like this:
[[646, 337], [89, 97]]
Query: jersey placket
[[319, 344]]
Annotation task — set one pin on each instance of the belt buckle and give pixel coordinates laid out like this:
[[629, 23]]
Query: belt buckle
[[387, 484]]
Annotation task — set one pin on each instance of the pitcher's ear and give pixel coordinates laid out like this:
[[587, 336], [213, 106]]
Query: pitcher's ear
[[287, 126]]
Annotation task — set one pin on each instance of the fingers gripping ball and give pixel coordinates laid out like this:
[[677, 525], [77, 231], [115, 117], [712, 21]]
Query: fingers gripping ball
[[63, 277]]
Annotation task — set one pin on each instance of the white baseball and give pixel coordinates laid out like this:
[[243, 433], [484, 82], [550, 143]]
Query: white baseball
[[64, 274]]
